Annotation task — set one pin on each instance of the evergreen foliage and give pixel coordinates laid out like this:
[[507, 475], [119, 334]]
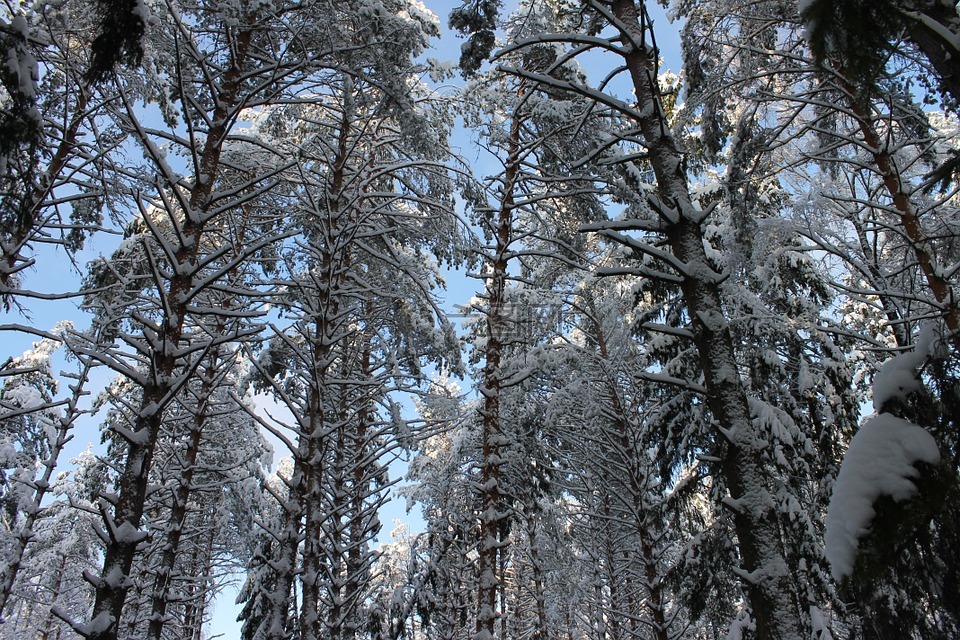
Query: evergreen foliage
[[688, 285], [857, 35], [123, 24]]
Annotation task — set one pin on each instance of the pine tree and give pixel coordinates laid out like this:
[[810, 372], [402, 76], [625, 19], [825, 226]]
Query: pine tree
[[357, 282], [55, 146], [859, 161], [37, 426], [191, 233], [767, 586]]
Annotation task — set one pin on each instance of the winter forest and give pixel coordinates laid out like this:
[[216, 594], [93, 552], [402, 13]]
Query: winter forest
[[644, 351]]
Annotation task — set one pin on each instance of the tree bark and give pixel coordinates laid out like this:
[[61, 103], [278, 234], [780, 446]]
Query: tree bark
[[492, 436], [771, 596], [123, 526], [909, 218], [178, 512]]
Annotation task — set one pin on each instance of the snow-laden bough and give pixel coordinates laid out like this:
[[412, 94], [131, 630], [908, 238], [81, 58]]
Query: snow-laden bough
[[880, 461]]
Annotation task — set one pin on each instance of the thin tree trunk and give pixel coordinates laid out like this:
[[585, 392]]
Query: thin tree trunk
[[890, 307], [491, 508], [542, 630], [612, 613], [178, 512], [356, 558], [336, 537], [199, 598], [333, 265], [42, 486], [637, 481], [909, 218], [51, 618]]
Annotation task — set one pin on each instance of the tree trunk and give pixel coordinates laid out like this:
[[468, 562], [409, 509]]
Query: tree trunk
[[909, 218], [356, 564], [636, 473], [768, 588], [492, 436], [123, 526], [542, 631], [178, 512], [334, 261]]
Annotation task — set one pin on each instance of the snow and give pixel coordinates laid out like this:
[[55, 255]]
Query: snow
[[803, 6], [881, 457], [127, 533], [141, 11], [898, 376], [23, 397], [97, 626], [810, 23], [821, 624], [879, 462], [20, 62], [742, 625]]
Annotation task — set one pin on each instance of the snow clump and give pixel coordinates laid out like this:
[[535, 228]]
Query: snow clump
[[880, 459], [878, 463]]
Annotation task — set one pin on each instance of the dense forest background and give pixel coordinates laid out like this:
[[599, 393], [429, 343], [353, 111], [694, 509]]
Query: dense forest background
[[706, 386]]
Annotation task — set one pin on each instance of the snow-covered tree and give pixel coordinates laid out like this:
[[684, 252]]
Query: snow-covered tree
[[859, 151], [690, 283], [373, 217], [49, 583], [37, 424], [55, 147], [201, 196]]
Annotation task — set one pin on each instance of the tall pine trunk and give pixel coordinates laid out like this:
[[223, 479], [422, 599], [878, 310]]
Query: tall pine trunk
[[770, 594], [123, 534], [492, 513], [178, 513]]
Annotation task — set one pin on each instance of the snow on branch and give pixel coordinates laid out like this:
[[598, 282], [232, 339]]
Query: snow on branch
[[880, 460], [899, 376]]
